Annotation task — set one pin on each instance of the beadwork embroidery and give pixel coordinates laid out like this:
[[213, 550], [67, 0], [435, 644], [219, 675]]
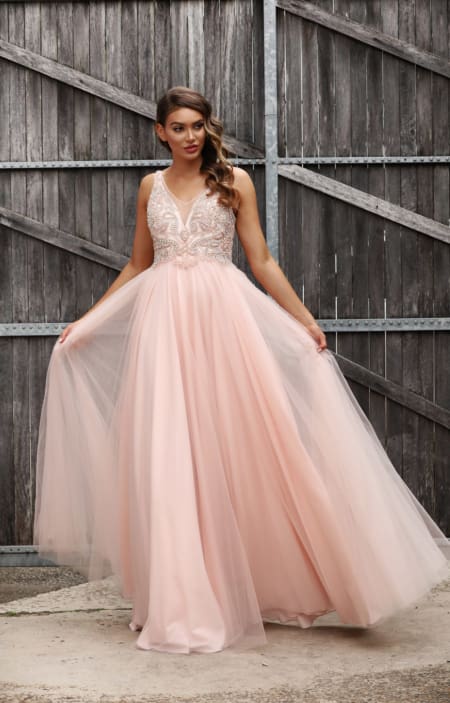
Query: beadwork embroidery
[[207, 234]]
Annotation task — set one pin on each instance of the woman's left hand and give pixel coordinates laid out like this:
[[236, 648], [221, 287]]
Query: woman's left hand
[[318, 335]]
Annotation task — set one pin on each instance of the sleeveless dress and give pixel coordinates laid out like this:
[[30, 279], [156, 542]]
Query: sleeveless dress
[[195, 444]]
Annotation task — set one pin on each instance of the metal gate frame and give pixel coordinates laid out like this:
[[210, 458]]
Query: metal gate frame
[[25, 555]]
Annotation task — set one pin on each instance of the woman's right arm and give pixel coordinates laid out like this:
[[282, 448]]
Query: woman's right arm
[[142, 253]]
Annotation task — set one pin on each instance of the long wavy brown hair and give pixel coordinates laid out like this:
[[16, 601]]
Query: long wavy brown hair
[[215, 163]]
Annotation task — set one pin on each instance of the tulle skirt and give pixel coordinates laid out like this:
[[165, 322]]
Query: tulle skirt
[[195, 443]]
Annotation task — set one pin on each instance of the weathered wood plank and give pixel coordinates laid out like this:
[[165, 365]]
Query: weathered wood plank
[[408, 246], [196, 45], [7, 479], [227, 108], [212, 42], [394, 391], [243, 61], [367, 35], [25, 358], [343, 235], [82, 149], [312, 224], [359, 181], [375, 225], [66, 144], [62, 240], [146, 47], [365, 201], [102, 89], [18, 280], [99, 132], [52, 255], [309, 96], [326, 68], [282, 94], [393, 283], [294, 119], [440, 39], [177, 50], [258, 74]]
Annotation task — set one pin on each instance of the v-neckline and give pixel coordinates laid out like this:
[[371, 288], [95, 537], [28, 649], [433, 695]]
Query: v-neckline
[[173, 198]]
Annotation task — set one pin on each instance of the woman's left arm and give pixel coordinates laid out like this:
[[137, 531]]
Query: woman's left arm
[[264, 267]]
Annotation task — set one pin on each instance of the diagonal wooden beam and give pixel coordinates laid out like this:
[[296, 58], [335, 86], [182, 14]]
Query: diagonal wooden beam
[[368, 35], [101, 89], [63, 240], [393, 391], [365, 201]]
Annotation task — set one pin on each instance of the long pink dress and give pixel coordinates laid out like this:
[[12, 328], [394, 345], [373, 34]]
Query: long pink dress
[[195, 443]]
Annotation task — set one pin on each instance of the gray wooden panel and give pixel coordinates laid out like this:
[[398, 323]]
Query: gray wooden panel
[[310, 112], [147, 47], [258, 75], [137, 50], [394, 418], [82, 178], [282, 88], [375, 225], [6, 313], [26, 356], [343, 233], [243, 60], [291, 233], [294, 117], [7, 473], [228, 68], [408, 245], [99, 136], [211, 21], [50, 193], [353, 27], [441, 263], [359, 180], [426, 359]]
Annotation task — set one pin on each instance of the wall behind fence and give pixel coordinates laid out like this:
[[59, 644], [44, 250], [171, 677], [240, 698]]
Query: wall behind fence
[[79, 82], [341, 96], [141, 48]]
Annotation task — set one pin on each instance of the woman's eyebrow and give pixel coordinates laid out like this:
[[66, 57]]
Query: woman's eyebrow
[[183, 123]]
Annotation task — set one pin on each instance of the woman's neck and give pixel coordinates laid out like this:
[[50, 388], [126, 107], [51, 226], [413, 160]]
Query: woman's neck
[[186, 169]]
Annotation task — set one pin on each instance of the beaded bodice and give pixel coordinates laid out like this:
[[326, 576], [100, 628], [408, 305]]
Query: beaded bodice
[[205, 234]]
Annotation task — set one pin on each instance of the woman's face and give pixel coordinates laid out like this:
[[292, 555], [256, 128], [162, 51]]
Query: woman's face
[[184, 132]]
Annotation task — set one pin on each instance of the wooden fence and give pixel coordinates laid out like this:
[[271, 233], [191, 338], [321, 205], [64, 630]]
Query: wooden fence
[[362, 149]]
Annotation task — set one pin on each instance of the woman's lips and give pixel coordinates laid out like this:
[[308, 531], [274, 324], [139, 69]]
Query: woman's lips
[[191, 148]]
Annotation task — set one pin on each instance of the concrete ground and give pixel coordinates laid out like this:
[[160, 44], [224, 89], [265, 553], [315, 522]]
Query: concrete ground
[[73, 644]]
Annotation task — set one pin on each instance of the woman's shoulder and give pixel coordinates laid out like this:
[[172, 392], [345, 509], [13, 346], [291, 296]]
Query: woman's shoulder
[[241, 176], [146, 186], [242, 181]]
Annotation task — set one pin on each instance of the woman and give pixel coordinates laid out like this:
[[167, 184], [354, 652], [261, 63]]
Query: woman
[[195, 444]]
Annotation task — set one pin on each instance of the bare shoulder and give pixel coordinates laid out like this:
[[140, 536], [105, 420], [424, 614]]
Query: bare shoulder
[[242, 180], [245, 187], [145, 188]]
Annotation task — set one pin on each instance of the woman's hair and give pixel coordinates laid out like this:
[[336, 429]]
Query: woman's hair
[[215, 164]]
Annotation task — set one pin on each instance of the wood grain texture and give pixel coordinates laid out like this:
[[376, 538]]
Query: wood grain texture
[[370, 36], [82, 80], [365, 201], [63, 240]]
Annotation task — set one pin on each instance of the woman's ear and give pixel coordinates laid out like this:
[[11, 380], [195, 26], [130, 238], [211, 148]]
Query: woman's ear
[[160, 131]]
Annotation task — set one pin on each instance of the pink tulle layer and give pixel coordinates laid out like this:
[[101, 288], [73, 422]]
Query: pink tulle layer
[[194, 442]]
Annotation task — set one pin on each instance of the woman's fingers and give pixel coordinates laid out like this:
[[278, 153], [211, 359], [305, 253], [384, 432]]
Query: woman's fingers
[[321, 341], [65, 332]]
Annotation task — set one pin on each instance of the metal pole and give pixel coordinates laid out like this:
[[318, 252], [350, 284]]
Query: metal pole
[[270, 124]]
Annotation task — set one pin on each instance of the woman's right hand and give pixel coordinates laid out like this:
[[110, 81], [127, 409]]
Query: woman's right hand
[[67, 330]]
